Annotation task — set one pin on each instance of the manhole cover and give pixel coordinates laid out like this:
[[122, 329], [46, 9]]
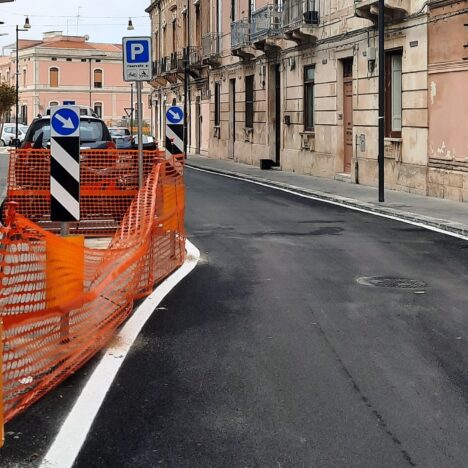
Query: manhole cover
[[391, 282]]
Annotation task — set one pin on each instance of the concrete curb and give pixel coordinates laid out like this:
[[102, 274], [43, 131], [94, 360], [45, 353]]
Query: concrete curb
[[442, 225]]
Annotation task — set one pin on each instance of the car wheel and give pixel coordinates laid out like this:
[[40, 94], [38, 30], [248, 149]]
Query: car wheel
[[2, 143]]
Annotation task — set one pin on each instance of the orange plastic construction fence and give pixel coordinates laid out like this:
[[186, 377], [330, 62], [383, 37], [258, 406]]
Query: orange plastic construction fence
[[61, 301], [108, 184]]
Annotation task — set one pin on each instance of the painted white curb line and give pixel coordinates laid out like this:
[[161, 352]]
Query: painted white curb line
[[340, 201], [68, 442]]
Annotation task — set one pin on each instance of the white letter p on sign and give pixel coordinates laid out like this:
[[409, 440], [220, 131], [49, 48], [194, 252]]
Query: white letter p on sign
[[136, 49]]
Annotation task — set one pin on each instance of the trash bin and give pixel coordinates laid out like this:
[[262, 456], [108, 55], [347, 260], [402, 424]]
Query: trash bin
[[266, 163]]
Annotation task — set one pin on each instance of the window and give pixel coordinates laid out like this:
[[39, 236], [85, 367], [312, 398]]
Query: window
[[217, 116], [69, 59], [174, 42], [393, 94], [83, 60], [249, 101], [24, 115], [98, 109], [53, 103], [309, 97], [54, 77], [54, 59], [98, 78], [24, 77]]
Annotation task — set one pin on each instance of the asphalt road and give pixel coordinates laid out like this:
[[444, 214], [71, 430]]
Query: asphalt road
[[273, 354]]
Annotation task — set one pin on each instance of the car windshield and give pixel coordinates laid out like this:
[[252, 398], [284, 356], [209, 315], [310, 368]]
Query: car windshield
[[23, 128], [90, 131], [118, 132]]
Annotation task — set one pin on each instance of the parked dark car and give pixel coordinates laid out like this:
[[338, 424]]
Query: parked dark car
[[94, 134], [122, 137]]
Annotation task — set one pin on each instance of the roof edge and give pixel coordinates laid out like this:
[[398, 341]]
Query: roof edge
[[152, 6]]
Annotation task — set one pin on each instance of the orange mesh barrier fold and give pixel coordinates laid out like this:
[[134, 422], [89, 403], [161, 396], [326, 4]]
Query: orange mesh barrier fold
[[61, 301], [108, 184]]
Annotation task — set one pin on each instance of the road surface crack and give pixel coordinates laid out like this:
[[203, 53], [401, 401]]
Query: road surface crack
[[381, 421]]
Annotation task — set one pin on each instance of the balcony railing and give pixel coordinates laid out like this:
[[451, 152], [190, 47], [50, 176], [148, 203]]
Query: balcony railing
[[266, 21], [299, 12], [194, 56], [176, 62], [240, 34], [210, 45], [159, 67]]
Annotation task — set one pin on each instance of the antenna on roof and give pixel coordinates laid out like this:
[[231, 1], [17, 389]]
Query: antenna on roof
[[78, 19]]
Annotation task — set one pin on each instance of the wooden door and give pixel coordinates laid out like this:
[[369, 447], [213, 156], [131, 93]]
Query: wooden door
[[348, 114], [232, 98]]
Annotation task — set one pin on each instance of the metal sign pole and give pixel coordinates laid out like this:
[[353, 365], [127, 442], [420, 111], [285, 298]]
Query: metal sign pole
[[137, 67], [140, 135]]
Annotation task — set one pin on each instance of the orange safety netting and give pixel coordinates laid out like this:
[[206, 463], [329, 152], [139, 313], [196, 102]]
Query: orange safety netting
[[108, 184], [61, 301]]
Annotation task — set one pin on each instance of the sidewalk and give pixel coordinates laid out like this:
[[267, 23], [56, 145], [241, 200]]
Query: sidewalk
[[445, 215]]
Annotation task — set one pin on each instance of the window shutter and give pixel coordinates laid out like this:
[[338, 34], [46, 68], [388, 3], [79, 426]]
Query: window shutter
[[396, 92]]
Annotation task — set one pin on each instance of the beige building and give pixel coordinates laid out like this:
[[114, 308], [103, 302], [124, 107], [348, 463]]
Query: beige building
[[296, 82]]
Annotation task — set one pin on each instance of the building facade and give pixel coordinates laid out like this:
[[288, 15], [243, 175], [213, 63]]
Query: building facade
[[296, 82], [62, 68]]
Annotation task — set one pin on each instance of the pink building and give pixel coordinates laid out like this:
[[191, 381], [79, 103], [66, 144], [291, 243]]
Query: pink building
[[62, 68]]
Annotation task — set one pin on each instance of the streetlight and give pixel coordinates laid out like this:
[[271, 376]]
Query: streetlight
[[90, 75], [131, 28], [26, 26]]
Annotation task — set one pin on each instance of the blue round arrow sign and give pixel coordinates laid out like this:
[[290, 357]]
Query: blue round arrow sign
[[65, 121], [175, 115]]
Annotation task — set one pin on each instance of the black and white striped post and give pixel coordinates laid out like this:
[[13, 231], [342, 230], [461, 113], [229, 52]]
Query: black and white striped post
[[65, 166], [174, 131]]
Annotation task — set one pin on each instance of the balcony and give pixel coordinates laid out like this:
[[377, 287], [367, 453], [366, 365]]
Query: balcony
[[195, 63], [301, 19], [240, 40], [176, 62], [266, 25], [195, 56], [394, 9], [211, 49], [159, 69]]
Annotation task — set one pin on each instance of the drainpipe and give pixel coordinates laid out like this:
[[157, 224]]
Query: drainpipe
[[381, 158]]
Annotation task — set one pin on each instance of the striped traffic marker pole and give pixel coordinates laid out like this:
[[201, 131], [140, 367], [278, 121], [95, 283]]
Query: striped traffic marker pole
[[174, 131], [65, 165]]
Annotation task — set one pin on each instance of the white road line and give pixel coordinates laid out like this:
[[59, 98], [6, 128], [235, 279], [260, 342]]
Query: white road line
[[76, 426], [337, 203]]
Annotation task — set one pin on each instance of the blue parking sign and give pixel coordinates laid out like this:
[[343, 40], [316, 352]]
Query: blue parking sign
[[137, 51], [137, 59]]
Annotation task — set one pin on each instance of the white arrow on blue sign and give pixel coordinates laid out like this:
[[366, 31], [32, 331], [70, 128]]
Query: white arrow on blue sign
[[175, 115], [65, 121]]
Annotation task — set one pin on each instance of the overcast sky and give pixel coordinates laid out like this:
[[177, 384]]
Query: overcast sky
[[102, 20]]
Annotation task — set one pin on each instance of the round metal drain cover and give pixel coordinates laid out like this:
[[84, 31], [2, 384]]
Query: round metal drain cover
[[391, 282]]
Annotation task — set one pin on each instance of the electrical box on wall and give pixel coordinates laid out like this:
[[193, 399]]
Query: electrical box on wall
[[371, 53]]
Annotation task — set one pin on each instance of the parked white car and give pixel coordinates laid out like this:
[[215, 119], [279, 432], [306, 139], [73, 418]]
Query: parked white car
[[9, 133]]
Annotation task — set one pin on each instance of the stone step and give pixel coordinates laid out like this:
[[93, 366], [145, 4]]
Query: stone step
[[343, 177]]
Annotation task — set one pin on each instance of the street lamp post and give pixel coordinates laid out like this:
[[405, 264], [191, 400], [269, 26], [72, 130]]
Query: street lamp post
[[26, 26], [381, 156], [130, 27]]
